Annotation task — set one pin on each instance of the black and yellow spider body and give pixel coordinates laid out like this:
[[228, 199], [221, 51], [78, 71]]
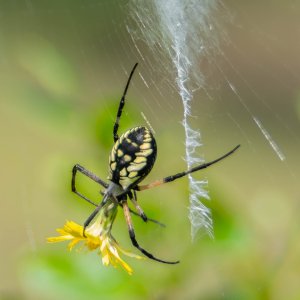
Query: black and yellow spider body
[[130, 161], [132, 157]]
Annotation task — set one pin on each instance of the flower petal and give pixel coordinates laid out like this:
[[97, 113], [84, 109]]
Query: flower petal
[[97, 236]]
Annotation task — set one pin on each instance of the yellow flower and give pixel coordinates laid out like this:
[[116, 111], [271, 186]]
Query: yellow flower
[[97, 237]]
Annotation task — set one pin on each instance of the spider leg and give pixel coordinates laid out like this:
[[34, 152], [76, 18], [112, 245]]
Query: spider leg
[[121, 105], [181, 174], [91, 217], [94, 213], [135, 213], [140, 212], [90, 175], [132, 235], [132, 197]]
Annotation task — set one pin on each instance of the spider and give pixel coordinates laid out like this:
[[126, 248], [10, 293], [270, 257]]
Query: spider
[[131, 159]]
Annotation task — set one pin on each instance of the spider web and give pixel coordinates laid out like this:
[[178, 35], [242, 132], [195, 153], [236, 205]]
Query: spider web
[[193, 48], [232, 66], [190, 35], [185, 34]]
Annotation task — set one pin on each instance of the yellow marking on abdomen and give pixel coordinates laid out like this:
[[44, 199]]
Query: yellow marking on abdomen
[[136, 167], [113, 166], [120, 153], [140, 159], [144, 153], [132, 174], [145, 146], [127, 158], [123, 172], [112, 156]]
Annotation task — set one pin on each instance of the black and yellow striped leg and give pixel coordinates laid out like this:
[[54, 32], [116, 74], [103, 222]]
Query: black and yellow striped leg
[[181, 174], [136, 214], [140, 212], [121, 105], [133, 239], [132, 197], [90, 175]]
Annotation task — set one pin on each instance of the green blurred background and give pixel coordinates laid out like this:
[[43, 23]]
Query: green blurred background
[[63, 66]]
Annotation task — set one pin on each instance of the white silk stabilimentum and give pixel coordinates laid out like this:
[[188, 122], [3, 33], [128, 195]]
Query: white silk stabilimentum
[[185, 31]]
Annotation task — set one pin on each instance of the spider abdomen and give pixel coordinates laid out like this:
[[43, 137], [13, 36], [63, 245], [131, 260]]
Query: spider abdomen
[[132, 157]]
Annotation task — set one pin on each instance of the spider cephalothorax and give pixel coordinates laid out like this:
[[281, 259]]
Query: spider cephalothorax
[[130, 161]]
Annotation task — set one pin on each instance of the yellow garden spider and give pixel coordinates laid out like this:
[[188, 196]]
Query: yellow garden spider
[[130, 161]]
